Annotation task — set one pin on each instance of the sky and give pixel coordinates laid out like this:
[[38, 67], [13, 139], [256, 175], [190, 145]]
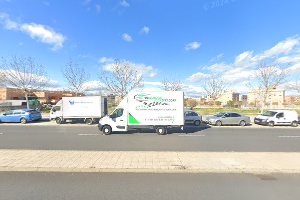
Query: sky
[[185, 40]]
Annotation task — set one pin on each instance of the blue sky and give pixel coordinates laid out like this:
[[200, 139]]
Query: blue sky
[[186, 40]]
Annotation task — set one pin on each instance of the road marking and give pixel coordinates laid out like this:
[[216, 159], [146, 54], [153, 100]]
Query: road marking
[[87, 134], [191, 135], [289, 136]]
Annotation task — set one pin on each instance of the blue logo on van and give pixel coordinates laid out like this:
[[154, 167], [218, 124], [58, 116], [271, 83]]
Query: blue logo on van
[[71, 102]]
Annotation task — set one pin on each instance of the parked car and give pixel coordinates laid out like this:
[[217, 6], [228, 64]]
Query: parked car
[[228, 118], [192, 117], [22, 116], [278, 117]]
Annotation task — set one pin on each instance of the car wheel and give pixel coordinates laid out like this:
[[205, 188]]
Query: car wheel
[[197, 123], [106, 130], [294, 124], [23, 121], [161, 130], [271, 124], [218, 123], [58, 120], [242, 123], [89, 121]]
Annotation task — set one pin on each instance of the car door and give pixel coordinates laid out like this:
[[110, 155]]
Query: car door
[[120, 120], [17, 114], [226, 119], [188, 118], [8, 117], [281, 120], [235, 118]]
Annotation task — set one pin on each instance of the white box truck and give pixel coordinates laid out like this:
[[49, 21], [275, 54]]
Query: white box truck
[[138, 110], [87, 108]]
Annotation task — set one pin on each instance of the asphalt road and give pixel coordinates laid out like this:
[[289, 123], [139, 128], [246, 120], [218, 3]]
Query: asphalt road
[[227, 139], [130, 186]]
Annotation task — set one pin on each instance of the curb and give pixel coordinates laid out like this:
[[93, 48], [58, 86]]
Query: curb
[[158, 171]]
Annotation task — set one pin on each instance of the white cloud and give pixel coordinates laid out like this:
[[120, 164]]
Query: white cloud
[[142, 69], [283, 47], [28, 78], [126, 37], [243, 58], [38, 32], [152, 83], [98, 8], [284, 54], [192, 46], [145, 30], [288, 59], [219, 67], [192, 91], [124, 3], [294, 68], [93, 86], [44, 34], [198, 77], [217, 58], [104, 60]]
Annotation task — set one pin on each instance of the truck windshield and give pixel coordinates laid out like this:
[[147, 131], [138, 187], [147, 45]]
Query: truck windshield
[[269, 113], [117, 113]]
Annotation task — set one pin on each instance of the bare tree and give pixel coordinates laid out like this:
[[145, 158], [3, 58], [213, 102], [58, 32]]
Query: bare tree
[[295, 85], [76, 77], [214, 87], [121, 77], [25, 74], [266, 79], [2, 78], [171, 85]]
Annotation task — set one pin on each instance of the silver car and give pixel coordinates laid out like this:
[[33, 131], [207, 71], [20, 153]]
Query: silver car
[[228, 118], [192, 117]]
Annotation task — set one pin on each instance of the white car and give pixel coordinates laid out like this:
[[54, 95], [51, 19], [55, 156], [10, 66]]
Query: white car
[[191, 117]]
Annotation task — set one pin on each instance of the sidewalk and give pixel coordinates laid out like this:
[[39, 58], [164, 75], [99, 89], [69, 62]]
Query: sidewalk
[[147, 161]]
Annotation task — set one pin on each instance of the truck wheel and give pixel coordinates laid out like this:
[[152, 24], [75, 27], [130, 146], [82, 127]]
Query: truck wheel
[[106, 130], [294, 124], [58, 120], [23, 121], [271, 124], [89, 121], [161, 130], [197, 123]]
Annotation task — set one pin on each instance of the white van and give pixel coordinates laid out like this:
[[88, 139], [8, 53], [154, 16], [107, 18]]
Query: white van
[[278, 117]]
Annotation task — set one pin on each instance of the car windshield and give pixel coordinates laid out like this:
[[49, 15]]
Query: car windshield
[[220, 114], [269, 113]]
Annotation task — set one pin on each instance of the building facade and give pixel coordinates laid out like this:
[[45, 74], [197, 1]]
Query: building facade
[[43, 96], [275, 97], [229, 96]]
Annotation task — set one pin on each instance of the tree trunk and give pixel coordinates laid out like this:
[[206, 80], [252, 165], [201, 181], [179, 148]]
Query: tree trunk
[[27, 101]]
